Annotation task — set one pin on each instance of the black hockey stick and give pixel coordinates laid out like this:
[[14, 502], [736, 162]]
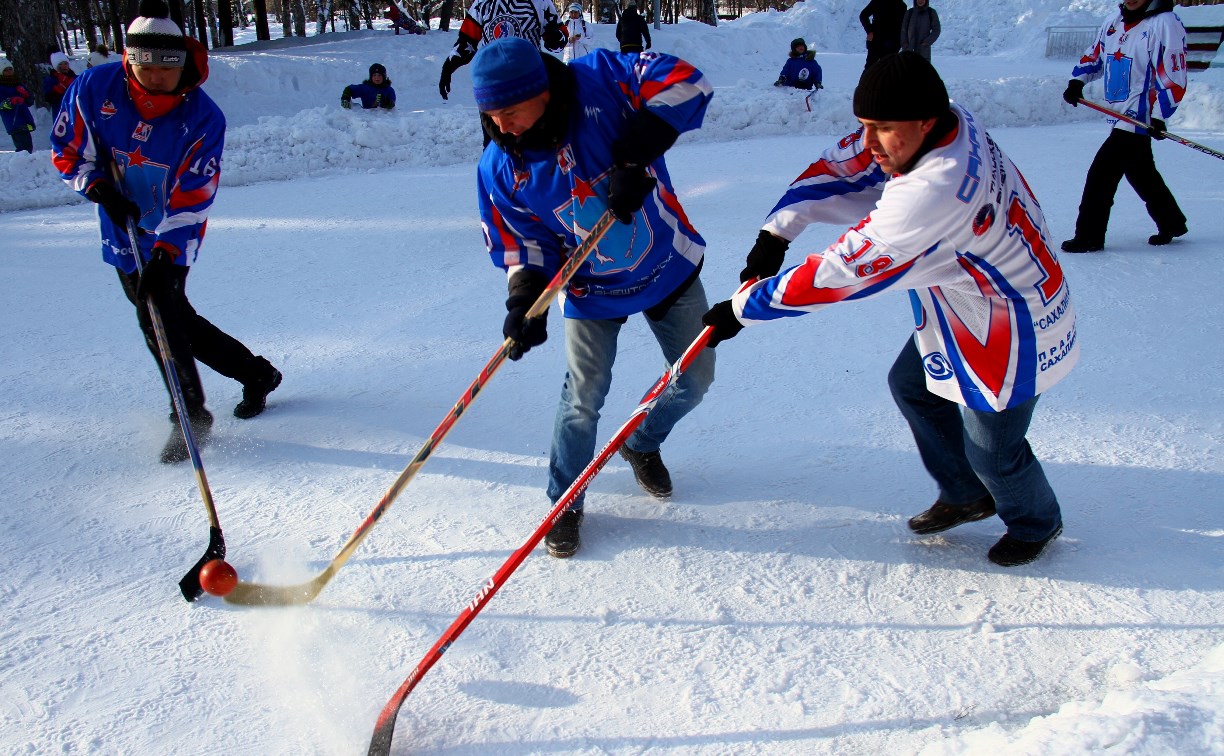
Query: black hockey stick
[[190, 582], [1167, 134]]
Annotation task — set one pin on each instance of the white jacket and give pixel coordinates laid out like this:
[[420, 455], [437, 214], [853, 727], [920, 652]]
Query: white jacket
[[579, 39]]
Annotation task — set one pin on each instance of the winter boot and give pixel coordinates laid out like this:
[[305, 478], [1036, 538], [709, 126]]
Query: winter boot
[[1164, 237], [941, 516], [255, 393], [563, 541], [1009, 552], [175, 450], [1077, 244], [650, 472]]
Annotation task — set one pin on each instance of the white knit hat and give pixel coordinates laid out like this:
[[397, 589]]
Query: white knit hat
[[153, 39], [57, 58]]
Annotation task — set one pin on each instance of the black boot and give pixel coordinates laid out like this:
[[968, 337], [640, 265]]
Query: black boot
[[1009, 552], [175, 450], [255, 393], [941, 516], [650, 472], [1164, 237], [563, 540], [1077, 244]]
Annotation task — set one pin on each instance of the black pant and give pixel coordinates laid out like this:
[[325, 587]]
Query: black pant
[[190, 338], [879, 48], [1128, 154]]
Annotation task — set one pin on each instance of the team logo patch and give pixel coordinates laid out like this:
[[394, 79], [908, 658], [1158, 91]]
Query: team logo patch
[[849, 139], [565, 159], [142, 132], [1111, 31], [936, 366], [983, 220], [578, 291], [107, 109], [503, 26]]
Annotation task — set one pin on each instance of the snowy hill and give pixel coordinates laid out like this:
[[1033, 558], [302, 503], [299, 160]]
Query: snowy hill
[[777, 605]]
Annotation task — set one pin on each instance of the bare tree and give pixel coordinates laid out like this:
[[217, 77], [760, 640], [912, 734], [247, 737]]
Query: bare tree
[[261, 20]]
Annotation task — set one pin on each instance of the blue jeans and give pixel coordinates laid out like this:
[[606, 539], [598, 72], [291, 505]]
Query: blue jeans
[[590, 351], [971, 453]]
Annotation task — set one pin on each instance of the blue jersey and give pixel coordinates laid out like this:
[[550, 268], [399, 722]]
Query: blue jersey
[[170, 158], [538, 206]]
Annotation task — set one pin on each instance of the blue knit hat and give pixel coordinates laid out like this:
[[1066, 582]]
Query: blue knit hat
[[506, 72]]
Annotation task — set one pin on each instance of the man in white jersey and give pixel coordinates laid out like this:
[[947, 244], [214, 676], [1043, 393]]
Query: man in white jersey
[[1140, 52], [936, 209]]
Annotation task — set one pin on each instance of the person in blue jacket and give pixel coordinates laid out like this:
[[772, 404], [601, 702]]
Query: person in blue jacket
[[374, 92], [148, 119], [801, 70], [15, 110], [569, 142]]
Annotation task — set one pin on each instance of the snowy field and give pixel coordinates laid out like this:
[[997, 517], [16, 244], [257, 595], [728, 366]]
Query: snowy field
[[777, 605]]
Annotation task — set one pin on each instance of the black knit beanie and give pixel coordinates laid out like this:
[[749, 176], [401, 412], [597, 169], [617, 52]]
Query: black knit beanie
[[900, 87]]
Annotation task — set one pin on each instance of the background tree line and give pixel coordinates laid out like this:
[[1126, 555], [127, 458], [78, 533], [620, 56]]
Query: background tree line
[[30, 30]]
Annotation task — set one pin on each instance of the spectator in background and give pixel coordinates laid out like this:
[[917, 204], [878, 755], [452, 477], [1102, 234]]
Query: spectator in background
[[578, 39], [57, 82], [374, 92], [401, 20], [632, 32], [15, 109], [920, 28], [99, 57], [881, 19], [801, 70]]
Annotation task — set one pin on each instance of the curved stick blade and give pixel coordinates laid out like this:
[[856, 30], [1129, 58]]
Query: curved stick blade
[[254, 594], [190, 583]]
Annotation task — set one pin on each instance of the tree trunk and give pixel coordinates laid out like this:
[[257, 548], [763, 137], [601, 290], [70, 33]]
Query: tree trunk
[[299, 17], [225, 22], [444, 15], [28, 36], [261, 20], [201, 23]]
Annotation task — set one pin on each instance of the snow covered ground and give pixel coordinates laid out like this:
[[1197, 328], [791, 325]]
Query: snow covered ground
[[777, 605]]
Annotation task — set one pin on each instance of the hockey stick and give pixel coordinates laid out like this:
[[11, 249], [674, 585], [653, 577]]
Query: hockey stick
[[1167, 134], [189, 584], [254, 594], [384, 728]]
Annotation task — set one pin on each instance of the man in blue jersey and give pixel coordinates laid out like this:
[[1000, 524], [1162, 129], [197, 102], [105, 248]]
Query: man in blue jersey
[[148, 118], [935, 209], [569, 142]]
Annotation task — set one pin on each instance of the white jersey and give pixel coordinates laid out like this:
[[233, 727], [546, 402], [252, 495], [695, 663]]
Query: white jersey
[[1144, 66], [963, 234], [577, 39]]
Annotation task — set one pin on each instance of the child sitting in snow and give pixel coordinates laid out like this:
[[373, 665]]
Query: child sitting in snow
[[801, 70], [374, 92]]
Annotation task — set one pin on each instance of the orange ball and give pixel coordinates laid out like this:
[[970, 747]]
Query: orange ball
[[218, 577]]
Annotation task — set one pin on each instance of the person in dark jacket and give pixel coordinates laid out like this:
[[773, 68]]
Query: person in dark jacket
[[632, 31], [801, 70], [920, 28], [374, 92], [881, 19], [15, 109]]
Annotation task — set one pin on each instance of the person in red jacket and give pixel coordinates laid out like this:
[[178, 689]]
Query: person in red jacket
[[57, 82]]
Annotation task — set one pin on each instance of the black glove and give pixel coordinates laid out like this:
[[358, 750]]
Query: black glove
[[444, 83], [781, 80], [819, 85], [1073, 92], [525, 288], [765, 258], [722, 317], [628, 187], [156, 274], [346, 103], [1157, 129], [118, 207], [554, 38]]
